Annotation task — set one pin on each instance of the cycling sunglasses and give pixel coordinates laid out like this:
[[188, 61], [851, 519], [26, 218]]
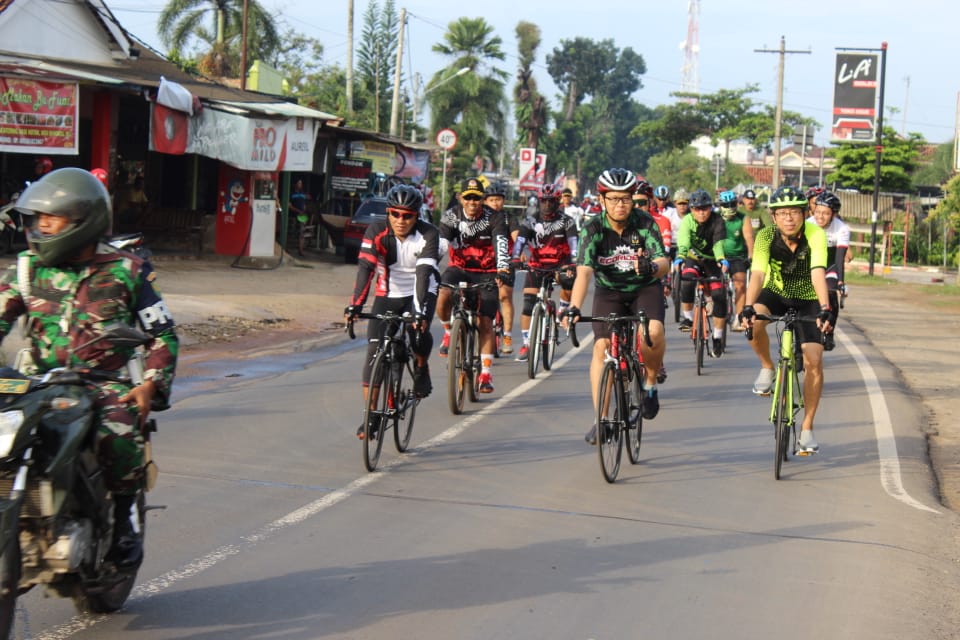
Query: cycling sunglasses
[[401, 215]]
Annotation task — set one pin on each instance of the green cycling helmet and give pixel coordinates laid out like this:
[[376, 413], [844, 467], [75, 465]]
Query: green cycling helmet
[[787, 197], [70, 193]]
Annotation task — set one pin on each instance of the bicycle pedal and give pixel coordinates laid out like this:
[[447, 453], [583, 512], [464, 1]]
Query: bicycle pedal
[[804, 454]]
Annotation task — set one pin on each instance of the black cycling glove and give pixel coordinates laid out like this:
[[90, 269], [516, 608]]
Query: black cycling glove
[[747, 313], [645, 266], [573, 313]]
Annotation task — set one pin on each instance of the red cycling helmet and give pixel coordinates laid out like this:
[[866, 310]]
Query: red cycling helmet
[[45, 164], [102, 176]]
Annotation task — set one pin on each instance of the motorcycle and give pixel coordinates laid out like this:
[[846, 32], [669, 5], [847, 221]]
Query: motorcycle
[[132, 242], [56, 513]]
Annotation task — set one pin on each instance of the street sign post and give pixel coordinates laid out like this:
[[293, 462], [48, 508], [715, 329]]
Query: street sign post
[[447, 140]]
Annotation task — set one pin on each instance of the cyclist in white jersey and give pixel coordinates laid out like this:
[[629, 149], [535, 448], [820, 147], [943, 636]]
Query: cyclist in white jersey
[[826, 214]]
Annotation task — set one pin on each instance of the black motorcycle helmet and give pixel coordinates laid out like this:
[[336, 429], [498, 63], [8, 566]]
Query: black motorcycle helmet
[[71, 193]]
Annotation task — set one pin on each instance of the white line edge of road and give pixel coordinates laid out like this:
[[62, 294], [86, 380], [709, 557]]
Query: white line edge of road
[[165, 581], [883, 427], [890, 477]]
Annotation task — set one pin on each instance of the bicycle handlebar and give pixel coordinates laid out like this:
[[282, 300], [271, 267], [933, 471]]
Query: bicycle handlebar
[[406, 318], [611, 319]]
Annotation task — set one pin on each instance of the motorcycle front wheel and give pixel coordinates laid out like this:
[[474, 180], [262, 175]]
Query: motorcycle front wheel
[[9, 587], [111, 592]]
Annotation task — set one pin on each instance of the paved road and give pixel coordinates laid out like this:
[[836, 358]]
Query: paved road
[[499, 524]]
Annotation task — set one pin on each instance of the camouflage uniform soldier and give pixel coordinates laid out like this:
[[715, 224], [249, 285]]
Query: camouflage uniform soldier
[[70, 287]]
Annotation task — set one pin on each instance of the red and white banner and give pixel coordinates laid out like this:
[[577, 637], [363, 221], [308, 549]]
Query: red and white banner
[[38, 117], [533, 169]]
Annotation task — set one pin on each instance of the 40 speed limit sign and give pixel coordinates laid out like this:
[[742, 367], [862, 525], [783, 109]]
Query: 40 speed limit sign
[[447, 139]]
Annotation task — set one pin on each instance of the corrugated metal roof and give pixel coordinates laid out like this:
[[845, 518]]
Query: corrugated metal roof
[[287, 109]]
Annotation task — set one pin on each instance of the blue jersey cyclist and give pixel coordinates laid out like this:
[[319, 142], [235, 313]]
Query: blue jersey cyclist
[[398, 257], [623, 251], [788, 271], [700, 254]]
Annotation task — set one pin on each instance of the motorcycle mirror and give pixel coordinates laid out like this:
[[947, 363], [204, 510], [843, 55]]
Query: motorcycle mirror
[[123, 335]]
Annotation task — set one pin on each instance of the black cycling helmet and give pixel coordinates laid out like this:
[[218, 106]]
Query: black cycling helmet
[[403, 196], [644, 188], [70, 193], [617, 180], [662, 192], [787, 197], [829, 199], [495, 188], [700, 199], [549, 191]]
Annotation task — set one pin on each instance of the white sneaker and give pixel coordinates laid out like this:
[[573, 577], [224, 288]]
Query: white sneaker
[[807, 443], [761, 386]]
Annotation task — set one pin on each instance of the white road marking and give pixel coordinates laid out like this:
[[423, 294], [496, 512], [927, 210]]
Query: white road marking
[[883, 429]]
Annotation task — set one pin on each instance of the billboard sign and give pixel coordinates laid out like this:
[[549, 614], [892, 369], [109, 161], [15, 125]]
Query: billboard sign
[[38, 117], [855, 98]]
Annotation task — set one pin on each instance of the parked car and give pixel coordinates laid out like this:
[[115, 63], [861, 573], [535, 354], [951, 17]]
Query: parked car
[[367, 213]]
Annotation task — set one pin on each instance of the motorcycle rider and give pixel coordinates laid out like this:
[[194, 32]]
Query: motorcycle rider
[[70, 285]]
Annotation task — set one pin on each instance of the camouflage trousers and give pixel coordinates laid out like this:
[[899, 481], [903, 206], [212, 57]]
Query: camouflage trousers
[[119, 439]]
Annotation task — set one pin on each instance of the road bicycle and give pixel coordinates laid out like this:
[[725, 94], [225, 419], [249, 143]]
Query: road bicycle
[[391, 402], [620, 394], [463, 363], [702, 328], [787, 391], [544, 325]]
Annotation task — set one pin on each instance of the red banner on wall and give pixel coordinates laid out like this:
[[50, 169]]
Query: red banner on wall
[[38, 117]]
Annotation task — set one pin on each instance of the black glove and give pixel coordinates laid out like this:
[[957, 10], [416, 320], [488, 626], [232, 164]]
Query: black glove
[[573, 313], [352, 310], [747, 313], [645, 266], [824, 315]]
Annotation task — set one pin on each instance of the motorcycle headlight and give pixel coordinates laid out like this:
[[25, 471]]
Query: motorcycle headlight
[[10, 422]]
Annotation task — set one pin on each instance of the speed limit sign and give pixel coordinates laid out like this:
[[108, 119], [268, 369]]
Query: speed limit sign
[[447, 139]]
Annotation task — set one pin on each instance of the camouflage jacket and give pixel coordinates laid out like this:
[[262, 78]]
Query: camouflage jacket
[[67, 308]]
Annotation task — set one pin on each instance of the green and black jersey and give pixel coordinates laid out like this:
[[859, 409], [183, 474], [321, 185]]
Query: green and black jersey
[[701, 241], [786, 272], [613, 256]]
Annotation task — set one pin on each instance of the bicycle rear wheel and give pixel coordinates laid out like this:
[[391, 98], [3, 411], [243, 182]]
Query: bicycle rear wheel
[[475, 364], [549, 337], [406, 411], [782, 414], [536, 336], [376, 412], [611, 415], [458, 367], [635, 414]]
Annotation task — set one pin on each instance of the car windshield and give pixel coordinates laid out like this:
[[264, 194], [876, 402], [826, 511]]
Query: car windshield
[[370, 210]]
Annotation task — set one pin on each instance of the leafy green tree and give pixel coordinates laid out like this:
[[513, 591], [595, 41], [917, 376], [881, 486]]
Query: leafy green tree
[[939, 169], [474, 104], [376, 64], [213, 28], [583, 67], [855, 163], [530, 107]]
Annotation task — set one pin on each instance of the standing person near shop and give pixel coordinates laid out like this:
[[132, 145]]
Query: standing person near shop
[[399, 256], [298, 210], [71, 286], [478, 240], [622, 249]]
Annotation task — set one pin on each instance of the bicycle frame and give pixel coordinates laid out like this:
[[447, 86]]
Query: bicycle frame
[[464, 365], [544, 327]]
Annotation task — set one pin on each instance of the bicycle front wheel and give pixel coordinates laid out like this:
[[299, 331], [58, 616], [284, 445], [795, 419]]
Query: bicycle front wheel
[[700, 335], [782, 416], [406, 412], [536, 337], [635, 414], [458, 367], [611, 417], [377, 410], [675, 294], [549, 337]]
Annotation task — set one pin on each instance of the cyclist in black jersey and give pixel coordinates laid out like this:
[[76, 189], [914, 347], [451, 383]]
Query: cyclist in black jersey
[[622, 249], [399, 257], [788, 271], [495, 197]]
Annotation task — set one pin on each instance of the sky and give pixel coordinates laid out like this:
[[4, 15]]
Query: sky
[[922, 52]]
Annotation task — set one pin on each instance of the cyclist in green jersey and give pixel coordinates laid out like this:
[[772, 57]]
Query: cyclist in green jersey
[[737, 247], [700, 255], [623, 250], [789, 270]]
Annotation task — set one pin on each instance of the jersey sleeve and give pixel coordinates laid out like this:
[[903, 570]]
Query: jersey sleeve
[[761, 249], [427, 275], [156, 320], [817, 239], [366, 266]]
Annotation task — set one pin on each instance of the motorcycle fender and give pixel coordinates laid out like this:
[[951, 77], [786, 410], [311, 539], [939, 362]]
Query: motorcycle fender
[[9, 517]]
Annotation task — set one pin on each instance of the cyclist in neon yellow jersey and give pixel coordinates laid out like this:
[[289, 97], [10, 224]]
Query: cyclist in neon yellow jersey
[[789, 270]]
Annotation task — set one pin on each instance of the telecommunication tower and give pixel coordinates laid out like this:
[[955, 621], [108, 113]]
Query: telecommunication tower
[[690, 78]]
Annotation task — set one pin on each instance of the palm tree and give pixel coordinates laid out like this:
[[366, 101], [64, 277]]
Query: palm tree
[[216, 27], [530, 107], [474, 103]]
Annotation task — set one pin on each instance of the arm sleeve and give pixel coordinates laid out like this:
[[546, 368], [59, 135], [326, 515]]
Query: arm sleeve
[[366, 267], [840, 262], [683, 236], [426, 273], [156, 320], [501, 241], [817, 239]]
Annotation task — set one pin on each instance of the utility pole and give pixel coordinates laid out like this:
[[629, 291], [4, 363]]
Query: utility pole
[[349, 59], [243, 46], [395, 109], [778, 125]]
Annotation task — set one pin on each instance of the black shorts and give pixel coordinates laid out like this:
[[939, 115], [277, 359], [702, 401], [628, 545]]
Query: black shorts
[[607, 301], [489, 297], [737, 265], [807, 331]]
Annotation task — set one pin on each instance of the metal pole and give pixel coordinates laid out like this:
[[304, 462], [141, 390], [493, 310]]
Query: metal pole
[[443, 190], [879, 155], [243, 47], [395, 108], [778, 126], [349, 59], [803, 154]]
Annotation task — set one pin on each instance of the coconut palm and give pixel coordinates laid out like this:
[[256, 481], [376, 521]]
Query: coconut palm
[[214, 28], [474, 103]]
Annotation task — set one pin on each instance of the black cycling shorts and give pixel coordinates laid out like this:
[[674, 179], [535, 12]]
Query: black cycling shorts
[[738, 265], [489, 297], [606, 301], [808, 331]]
